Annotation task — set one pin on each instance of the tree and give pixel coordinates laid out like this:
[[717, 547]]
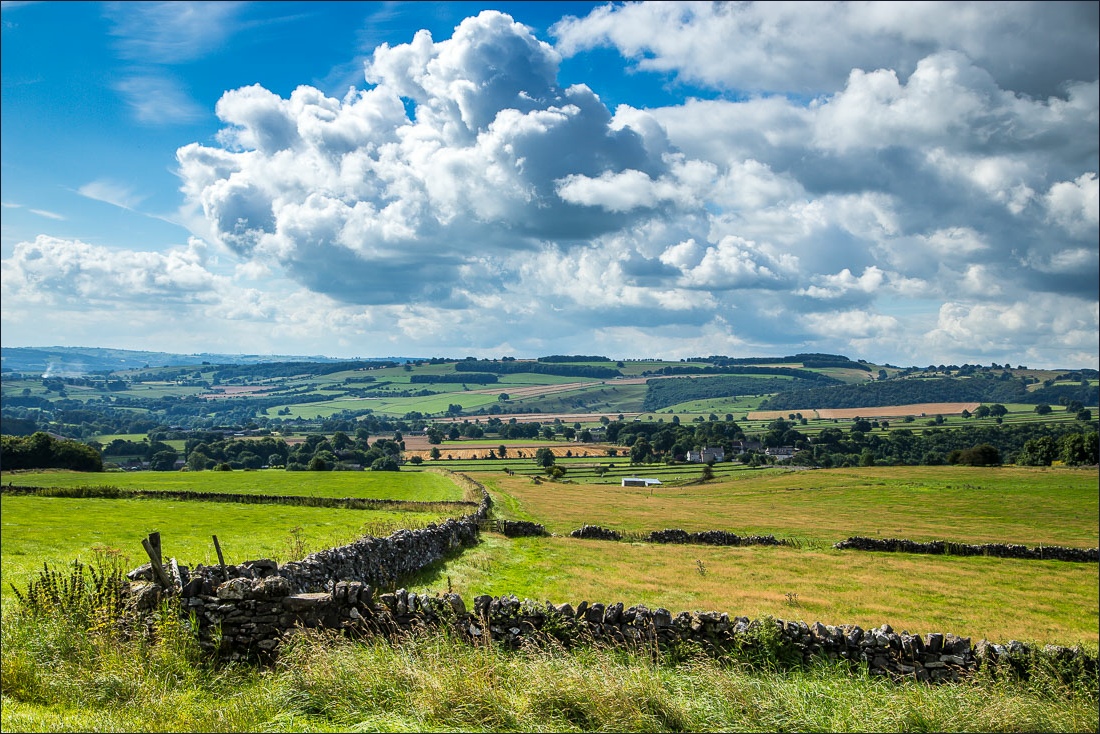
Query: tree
[[997, 410], [1038, 452], [384, 463], [250, 460], [502, 451], [981, 455], [434, 453], [197, 461], [42, 451], [545, 458], [164, 460], [1079, 449], [1043, 409]]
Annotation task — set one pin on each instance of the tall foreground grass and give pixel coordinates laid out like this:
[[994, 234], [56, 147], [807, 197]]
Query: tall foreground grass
[[65, 669], [53, 680]]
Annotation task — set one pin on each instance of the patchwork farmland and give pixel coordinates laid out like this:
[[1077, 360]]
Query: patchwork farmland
[[883, 477]]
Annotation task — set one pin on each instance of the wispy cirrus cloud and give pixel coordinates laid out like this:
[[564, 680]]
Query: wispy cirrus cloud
[[171, 32], [39, 212], [47, 214], [153, 37], [111, 192], [158, 99]]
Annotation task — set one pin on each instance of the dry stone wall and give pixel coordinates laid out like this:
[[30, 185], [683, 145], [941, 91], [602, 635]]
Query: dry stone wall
[[248, 619], [519, 529], [998, 550]]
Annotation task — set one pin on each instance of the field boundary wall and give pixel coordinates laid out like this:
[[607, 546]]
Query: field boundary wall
[[997, 550]]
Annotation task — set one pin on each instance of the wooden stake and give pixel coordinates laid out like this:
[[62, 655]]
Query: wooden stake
[[154, 539], [158, 569], [221, 558]]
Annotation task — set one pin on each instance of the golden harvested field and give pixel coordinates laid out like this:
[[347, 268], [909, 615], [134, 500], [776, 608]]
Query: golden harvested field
[[886, 411]]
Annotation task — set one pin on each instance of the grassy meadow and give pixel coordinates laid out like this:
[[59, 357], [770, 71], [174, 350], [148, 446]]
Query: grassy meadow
[[56, 530], [964, 504], [59, 530], [407, 486], [53, 680], [999, 599]]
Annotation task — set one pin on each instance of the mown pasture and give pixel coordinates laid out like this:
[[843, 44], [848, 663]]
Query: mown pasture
[[979, 597], [963, 504]]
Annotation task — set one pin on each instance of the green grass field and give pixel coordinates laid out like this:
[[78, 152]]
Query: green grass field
[[57, 530], [34, 530], [420, 486]]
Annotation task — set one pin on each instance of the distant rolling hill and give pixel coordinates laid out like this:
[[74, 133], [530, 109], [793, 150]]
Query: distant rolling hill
[[76, 361]]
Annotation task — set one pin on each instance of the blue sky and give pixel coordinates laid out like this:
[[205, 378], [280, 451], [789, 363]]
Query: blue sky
[[905, 183]]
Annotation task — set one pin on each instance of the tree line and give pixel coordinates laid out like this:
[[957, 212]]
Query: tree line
[[665, 392], [911, 391], [865, 443], [538, 368]]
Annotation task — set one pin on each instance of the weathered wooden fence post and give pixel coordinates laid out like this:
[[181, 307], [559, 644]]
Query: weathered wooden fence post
[[154, 560], [221, 558], [154, 540]]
